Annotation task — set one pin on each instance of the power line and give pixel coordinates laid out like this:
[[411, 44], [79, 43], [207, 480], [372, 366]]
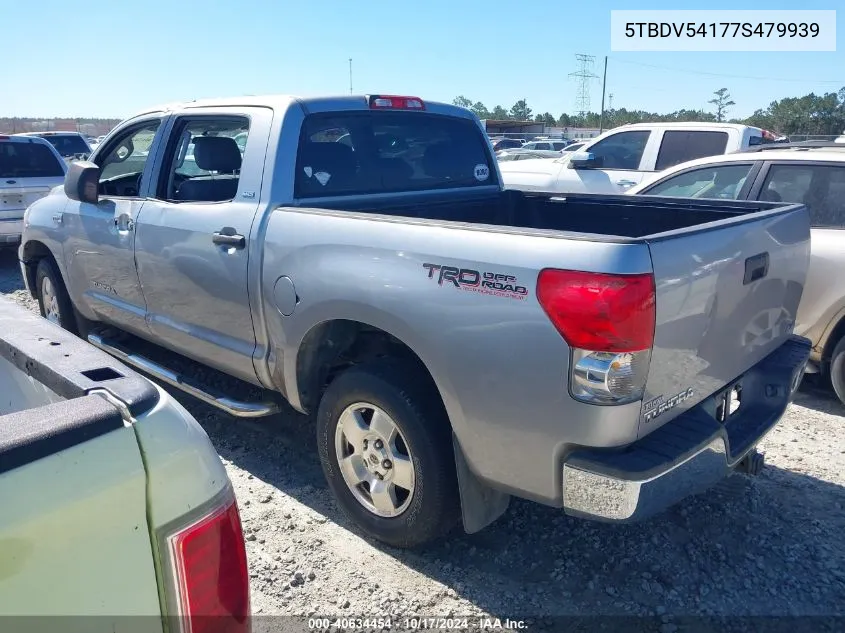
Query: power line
[[709, 74], [583, 74]]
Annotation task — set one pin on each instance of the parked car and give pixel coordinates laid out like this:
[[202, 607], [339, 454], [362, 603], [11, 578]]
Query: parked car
[[70, 145], [436, 324], [546, 145], [524, 154], [574, 147], [115, 503], [623, 156], [506, 143], [812, 174], [29, 168]]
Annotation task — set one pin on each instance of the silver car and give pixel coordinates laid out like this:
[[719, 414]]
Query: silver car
[[810, 173]]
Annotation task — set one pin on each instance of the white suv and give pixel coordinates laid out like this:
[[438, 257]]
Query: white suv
[[29, 168], [810, 173]]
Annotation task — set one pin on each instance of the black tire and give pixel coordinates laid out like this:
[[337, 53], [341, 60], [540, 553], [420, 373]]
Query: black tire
[[837, 370], [47, 270], [409, 397]]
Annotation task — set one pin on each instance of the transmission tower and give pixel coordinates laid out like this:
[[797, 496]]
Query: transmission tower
[[610, 101], [583, 75]]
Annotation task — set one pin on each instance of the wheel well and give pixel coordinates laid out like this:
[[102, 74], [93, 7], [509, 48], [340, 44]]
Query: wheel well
[[837, 333], [333, 346], [33, 252]]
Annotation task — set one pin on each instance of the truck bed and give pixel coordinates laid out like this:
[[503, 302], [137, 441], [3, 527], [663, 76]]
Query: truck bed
[[585, 216], [728, 278], [47, 376], [72, 479]]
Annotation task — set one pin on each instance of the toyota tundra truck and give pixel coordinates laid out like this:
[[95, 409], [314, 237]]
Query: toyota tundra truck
[[114, 503], [456, 342]]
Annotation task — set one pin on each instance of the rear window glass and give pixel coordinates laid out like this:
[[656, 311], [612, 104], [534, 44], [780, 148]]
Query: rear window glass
[[381, 152], [28, 160], [68, 145], [679, 147]]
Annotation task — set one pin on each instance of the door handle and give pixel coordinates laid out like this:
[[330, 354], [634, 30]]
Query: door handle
[[232, 240], [124, 223], [626, 183]]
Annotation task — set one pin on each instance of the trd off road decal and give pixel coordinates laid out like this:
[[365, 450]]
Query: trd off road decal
[[483, 282]]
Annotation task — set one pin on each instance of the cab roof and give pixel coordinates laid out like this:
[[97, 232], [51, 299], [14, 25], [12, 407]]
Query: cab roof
[[283, 101]]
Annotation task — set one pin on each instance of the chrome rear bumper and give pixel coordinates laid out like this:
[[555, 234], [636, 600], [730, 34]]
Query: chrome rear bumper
[[688, 454]]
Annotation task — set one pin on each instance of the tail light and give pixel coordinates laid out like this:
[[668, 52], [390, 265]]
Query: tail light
[[392, 102], [209, 568], [608, 321]]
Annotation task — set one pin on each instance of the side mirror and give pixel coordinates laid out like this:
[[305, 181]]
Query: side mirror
[[583, 160], [82, 182]]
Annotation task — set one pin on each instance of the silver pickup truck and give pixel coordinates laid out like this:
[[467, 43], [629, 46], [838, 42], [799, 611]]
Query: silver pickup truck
[[458, 343]]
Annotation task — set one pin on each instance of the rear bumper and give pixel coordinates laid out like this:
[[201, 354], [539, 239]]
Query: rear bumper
[[10, 231], [688, 454]]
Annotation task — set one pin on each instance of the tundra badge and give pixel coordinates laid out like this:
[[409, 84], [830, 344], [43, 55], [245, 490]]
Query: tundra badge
[[659, 405]]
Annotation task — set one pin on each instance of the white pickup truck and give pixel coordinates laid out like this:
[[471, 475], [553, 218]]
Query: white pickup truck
[[623, 156], [113, 502]]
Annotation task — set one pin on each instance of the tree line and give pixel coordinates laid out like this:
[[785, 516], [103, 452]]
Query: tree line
[[811, 114]]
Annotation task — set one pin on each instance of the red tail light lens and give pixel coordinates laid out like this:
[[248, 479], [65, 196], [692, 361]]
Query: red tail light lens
[[212, 576], [599, 312]]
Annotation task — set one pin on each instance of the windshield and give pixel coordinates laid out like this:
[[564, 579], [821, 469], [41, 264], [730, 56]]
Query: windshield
[[381, 152], [68, 144], [28, 160]]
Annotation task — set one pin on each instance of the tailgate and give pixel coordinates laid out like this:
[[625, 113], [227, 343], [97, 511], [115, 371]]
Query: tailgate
[[14, 199], [726, 296]]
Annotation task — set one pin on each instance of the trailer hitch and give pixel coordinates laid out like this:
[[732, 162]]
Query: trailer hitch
[[752, 463]]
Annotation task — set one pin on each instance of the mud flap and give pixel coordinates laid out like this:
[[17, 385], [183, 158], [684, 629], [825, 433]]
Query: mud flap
[[480, 504]]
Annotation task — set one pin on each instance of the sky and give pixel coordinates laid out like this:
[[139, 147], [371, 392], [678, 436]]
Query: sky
[[113, 58]]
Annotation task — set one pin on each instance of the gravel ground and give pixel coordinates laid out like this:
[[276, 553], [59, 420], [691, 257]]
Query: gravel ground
[[770, 545]]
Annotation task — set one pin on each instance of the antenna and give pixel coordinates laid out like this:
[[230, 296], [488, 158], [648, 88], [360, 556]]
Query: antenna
[[350, 75], [583, 74]]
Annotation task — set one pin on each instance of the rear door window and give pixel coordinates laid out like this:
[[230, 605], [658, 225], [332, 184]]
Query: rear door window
[[680, 146], [821, 188], [28, 160], [356, 153]]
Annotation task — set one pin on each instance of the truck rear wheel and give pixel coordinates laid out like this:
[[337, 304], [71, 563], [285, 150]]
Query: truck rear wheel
[[385, 447], [837, 369], [53, 300]]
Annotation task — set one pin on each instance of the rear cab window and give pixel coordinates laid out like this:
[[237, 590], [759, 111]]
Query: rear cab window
[[679, 146], [28, 160], [361, 153]]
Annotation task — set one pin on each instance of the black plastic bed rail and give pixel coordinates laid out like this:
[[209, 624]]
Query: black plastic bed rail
[[71, 368]]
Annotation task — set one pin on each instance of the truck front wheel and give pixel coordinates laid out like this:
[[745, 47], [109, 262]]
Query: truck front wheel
[[385, 448], [53, 299]]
